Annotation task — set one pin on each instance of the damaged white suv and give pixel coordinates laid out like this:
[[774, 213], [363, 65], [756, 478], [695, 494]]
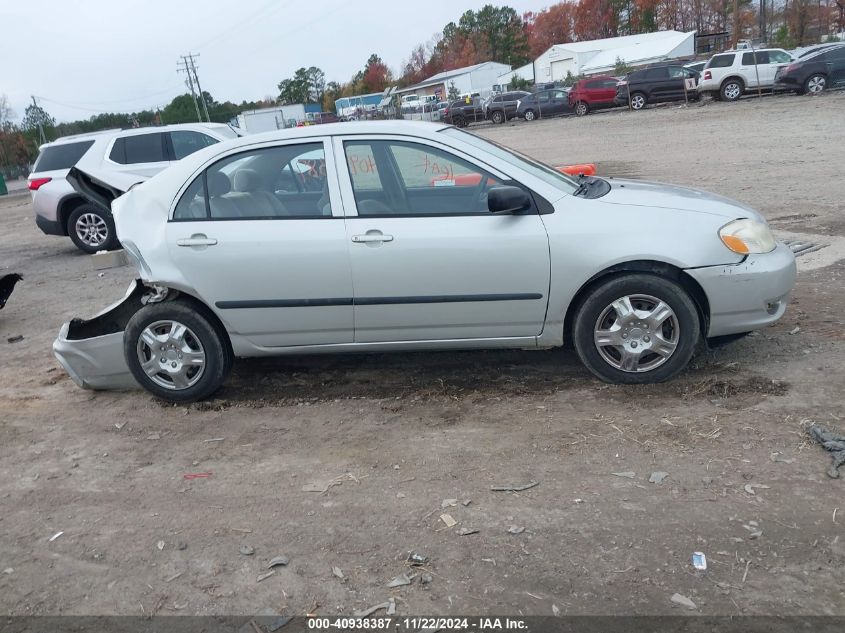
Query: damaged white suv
[[399, 235]]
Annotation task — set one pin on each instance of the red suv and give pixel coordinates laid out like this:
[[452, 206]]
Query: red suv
[[593, 94]]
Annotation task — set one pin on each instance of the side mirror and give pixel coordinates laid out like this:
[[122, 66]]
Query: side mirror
[[508, 199]]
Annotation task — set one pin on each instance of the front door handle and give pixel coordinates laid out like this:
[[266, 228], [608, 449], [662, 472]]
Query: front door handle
[[198, 239], [372, 237]]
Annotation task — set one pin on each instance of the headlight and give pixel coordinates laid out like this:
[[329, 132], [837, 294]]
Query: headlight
[[746, 236]]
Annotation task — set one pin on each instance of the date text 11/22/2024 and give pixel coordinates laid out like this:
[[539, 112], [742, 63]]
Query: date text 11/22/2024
[[418, 623]]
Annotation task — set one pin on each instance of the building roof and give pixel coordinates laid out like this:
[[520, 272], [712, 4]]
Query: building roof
[[658, 38], [449, 74], [638, 52]]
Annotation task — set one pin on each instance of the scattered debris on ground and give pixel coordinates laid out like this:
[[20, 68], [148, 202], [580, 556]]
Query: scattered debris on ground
[[514, 487]]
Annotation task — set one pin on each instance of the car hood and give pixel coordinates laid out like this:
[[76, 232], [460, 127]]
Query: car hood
[[640, 193]]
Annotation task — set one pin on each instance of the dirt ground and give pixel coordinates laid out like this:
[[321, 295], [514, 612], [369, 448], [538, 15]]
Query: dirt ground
[[393, 436]]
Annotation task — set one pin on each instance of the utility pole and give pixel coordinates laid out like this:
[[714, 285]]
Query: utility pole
[[190, 67], [199, 88], [186, 68], [40, 123]]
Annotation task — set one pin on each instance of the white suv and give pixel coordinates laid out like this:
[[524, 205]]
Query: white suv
[[730, 74], [59, 210]]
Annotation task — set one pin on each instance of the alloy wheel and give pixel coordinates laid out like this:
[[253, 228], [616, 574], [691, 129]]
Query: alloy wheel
[[636, 333], [529, 115], [816, 84], [637, 102], [171, 355], [91, 229], [732, 91]]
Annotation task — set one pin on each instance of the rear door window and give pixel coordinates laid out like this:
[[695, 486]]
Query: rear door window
[[186, 142], [62, 156], [761, 56], [779, 57]]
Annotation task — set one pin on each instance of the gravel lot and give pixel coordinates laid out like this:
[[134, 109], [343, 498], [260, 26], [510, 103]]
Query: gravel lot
[[392, 437]]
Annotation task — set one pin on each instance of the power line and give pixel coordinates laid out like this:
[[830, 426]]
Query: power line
[[226, 31]]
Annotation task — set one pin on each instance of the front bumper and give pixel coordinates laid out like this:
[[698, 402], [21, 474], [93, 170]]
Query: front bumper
[[91, 351], [749, 295]]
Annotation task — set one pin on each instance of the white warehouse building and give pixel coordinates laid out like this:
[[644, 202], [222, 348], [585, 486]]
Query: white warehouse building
[[599, 56], [479, 78]]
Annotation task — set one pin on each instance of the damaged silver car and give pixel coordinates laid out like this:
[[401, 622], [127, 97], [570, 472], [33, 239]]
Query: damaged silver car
[[396, 235]]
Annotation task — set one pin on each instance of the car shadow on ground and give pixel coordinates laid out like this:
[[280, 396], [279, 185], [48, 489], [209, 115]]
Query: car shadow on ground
[[469, 376]]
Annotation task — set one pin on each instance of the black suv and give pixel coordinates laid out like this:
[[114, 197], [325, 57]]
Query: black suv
[[500, 108], [814, 73], [656, 85], [462, 112]]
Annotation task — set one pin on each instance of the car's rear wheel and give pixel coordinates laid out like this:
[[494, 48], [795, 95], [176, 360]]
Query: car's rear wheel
[[175, 352], [638, 101], [731, 90], [815, 84], [529, 115], [581, 108], [635, 329], [498, 117], [459, 121], [91, 229]]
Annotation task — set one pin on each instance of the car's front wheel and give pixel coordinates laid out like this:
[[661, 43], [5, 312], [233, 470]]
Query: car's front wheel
[[498, 117], [175, 352], [529, 115], [635, 329], [815, 84], [638, 101], [91, 229]]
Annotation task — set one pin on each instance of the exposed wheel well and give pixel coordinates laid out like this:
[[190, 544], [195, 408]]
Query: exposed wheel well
[[66, 207], [207, 312], [660, 269], [734, 78]]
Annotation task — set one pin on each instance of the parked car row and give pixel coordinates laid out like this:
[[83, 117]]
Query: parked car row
[[726, 76]]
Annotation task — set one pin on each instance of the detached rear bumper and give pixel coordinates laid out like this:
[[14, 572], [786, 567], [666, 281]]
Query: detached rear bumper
[[91, 351], [749, 295]]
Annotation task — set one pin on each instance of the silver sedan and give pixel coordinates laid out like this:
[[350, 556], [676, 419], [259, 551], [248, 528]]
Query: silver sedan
[[361, 237]]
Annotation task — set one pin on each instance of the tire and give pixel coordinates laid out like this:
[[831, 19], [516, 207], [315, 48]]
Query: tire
[[731, 90], [639, 364], [529, 115], [638, 101], [498, 117], [157, 325], [815, 84], [92, 229], [581, 109], [459, 121]]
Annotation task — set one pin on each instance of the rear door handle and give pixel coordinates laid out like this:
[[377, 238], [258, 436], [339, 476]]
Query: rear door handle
[[196, 240], [372, 237]]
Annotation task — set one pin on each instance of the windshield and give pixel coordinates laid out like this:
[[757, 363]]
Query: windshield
[[547, 174]]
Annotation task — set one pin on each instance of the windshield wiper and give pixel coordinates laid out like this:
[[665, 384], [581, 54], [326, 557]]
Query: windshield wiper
[[583, 185]]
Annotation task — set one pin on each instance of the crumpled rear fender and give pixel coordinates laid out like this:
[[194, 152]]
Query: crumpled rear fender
[[91, 351]]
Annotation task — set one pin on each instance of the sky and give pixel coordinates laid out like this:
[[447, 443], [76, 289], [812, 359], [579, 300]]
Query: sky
[[82, 57]]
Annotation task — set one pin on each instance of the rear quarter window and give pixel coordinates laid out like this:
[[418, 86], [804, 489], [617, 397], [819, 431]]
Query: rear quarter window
[[139, 148], [721, 61], [62, 156]]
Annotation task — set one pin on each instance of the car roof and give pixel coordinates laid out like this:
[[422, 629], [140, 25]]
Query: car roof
[[87, 136], [344, 128]]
